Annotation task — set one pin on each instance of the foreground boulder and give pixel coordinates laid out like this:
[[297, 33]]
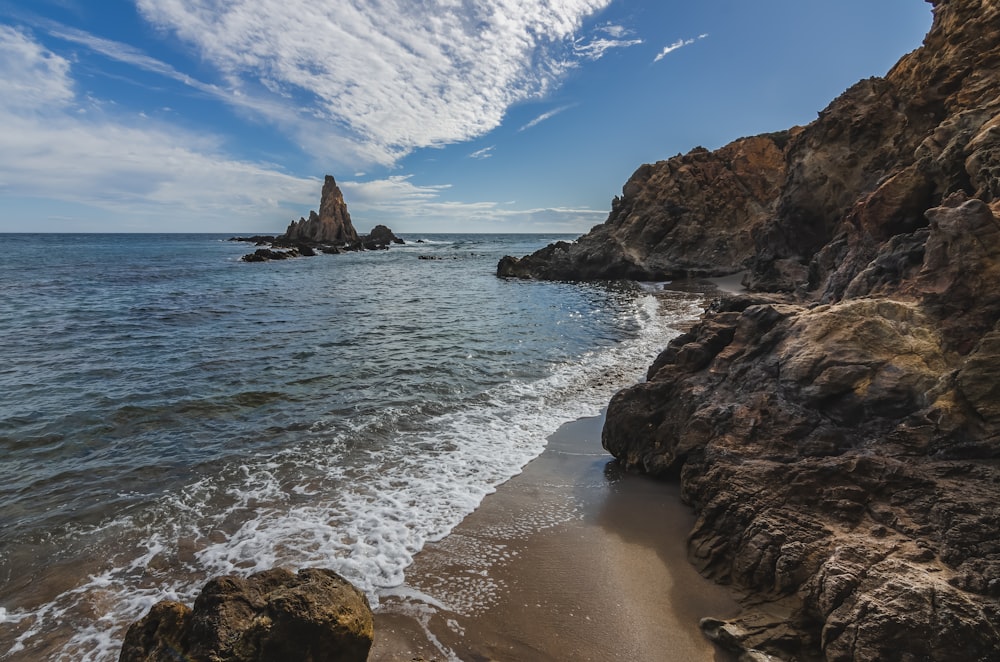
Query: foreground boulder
[[272, 615]]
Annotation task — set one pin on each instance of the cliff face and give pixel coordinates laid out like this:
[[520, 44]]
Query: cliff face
[[331, 226], [837, 429], [691, 215]]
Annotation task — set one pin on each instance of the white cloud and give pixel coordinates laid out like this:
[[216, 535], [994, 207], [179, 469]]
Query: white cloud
[[407, 207], [595, 49], [484, 153], [680, 43], [393, 76], [33, 78], [545, 116], [616, 31], [157, 176], [49, 150]]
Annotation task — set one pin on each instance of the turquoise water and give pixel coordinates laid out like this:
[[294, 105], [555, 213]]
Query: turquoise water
[[169, 413]]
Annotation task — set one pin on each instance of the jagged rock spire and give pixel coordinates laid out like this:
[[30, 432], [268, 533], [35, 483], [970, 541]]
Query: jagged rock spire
[[333, 223]]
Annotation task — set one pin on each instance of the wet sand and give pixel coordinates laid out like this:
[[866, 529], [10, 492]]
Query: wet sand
[[570, 560]]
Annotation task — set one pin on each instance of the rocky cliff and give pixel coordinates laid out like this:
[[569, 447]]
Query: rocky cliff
[[693, 215], [332, 225], [837, 429]]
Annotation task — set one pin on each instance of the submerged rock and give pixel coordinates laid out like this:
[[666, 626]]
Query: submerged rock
[[272, 615]]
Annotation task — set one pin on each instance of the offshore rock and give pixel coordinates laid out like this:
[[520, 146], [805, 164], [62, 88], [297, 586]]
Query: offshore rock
[[266, 254], [379, 238], [330, 232], [692, 215], [332, 225], [272, 615]]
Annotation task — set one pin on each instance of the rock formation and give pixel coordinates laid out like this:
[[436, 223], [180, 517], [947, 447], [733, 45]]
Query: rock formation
[[273, 615], [332, 225], [692, 215], [836, 429], [329, 231]]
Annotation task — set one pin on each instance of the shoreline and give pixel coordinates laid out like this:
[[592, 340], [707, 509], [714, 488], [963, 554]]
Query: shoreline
[[570, 559]]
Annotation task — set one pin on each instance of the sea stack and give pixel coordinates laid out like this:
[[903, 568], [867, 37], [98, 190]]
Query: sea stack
[[331, 226]]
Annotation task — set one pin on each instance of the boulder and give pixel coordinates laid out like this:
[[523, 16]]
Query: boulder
[[380, 234], [272, 615], [266, 254]]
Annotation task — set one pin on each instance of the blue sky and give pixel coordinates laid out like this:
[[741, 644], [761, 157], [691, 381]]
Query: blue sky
[[433, 115]]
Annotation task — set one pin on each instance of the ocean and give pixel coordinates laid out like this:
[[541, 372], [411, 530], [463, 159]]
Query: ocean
[[169, 413]]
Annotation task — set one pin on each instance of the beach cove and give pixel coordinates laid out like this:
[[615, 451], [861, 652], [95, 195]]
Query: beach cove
[[570, 559], [188, 415]]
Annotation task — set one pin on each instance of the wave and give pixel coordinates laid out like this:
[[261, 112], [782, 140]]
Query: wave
[[360, 495]]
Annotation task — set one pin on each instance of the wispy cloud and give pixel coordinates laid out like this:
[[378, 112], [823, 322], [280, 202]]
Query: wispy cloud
[[423, 74], [160, 177], [677, 45], [545, 116], [129, 55], [595, 48], [406, 206], [484, 153], [48, 148]]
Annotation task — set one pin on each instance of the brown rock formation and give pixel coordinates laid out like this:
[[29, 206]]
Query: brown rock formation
[[837, 430], [273, 615], [331, 226], [691, 215]]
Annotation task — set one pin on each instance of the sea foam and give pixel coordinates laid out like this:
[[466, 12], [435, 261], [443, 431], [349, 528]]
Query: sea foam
[[338, 500]]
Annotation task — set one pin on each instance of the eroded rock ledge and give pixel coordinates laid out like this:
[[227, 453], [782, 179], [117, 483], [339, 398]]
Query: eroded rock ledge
[[837, 428]]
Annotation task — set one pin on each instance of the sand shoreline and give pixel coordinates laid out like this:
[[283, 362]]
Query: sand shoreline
[[567, 560]]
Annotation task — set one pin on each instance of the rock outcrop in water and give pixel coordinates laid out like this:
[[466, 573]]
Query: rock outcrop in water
[[332, 225], [837, 429], [329, 231], [272, 615]]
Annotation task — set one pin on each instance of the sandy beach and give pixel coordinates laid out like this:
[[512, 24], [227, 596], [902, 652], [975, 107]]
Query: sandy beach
[[570, 560]]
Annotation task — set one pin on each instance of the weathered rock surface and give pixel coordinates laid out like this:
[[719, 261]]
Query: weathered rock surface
[[332, 225], [273, 615], [379, 238], [837, 429], [693, 215], [330, 231]]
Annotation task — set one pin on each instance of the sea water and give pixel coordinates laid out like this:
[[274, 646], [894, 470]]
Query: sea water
[[169, 413]]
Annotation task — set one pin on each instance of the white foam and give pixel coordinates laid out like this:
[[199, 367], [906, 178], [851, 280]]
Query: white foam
[[367, 517]]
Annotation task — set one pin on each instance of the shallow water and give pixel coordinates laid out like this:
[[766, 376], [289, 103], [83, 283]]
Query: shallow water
[[169, 413]]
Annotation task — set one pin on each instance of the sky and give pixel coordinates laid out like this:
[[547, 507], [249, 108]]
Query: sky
[[432, 115]]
